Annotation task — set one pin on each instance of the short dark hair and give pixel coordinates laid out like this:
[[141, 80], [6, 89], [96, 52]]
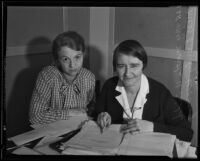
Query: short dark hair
[[70, 39], [130, 47]]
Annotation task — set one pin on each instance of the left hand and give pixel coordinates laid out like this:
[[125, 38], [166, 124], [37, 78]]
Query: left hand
[[137, 125]]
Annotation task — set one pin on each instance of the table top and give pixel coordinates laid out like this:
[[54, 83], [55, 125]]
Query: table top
[[47, 146]]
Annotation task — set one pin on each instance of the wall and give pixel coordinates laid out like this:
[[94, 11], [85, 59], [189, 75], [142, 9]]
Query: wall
[[30, 31], [79, 20]]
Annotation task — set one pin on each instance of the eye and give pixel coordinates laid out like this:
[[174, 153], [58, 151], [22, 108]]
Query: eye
[[134, 65], [78, 57], [120, 65], [64, 59]]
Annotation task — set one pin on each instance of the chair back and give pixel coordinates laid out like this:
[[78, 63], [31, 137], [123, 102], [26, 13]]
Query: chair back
[[186, 108]]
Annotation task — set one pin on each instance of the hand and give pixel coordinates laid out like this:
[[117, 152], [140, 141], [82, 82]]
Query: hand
[[137, 125], [103, 120]]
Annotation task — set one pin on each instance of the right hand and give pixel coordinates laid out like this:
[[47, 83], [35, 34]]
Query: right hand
[[104, 120]]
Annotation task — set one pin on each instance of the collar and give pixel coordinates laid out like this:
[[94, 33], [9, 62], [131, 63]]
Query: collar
[[139, 101], [73, 86]]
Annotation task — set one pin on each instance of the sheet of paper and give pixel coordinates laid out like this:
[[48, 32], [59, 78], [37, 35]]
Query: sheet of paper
[[73, 151], [31, 135], [46, 150], [182, 148], [91, 139], [154, 144], [54, 129], [25, 151]]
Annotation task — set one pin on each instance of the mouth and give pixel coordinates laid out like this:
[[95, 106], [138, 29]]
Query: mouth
[[128, 79], [73, 70]]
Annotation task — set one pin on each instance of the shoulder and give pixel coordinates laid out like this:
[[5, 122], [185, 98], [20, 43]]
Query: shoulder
[[85, 73], [156, 84], [157, 88], [49, 72], [111, 82]]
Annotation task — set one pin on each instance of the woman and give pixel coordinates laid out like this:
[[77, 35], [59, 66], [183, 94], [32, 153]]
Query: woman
[[65, 88], [131, 97]]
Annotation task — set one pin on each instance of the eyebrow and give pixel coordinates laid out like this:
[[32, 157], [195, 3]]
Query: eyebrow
[[129, 64], [63, 56]]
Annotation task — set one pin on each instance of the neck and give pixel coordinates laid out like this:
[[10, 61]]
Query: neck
[[133, 89], [69, 78]]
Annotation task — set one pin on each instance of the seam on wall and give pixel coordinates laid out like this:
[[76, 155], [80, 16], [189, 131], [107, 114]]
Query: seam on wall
[[22, 50], [153, 52]]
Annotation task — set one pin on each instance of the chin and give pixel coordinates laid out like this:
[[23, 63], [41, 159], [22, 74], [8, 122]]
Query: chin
[[128, 83]]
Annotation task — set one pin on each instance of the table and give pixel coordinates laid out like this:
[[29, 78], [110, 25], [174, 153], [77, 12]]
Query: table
[[43, 147]]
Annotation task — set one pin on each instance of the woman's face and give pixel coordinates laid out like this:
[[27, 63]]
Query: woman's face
[[70, 61], [129, 69]]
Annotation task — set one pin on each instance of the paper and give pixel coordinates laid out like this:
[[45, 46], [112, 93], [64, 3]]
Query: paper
[[151, 144], [91, 139], [25, 151], [54, 129], [182, 148], [73, 151], [31, 135], [191, 153]]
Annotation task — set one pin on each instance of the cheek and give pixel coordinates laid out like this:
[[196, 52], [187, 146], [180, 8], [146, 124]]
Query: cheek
[[64, 66], [79, 63], [120, 73]]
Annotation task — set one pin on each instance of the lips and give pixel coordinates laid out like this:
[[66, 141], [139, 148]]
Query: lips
[[127, 79]]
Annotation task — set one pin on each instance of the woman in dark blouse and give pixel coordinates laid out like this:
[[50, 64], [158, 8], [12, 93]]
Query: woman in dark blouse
[[131, 97]]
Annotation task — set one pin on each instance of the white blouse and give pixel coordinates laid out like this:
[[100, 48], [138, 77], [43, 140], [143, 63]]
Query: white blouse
[[139, 101]]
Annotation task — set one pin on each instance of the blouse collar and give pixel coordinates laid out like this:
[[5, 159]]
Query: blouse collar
[[139, 101]]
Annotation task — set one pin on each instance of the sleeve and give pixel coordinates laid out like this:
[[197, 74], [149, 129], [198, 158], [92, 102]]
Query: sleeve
[[101, 103], [175, 122], [91, 96], [40, 111]]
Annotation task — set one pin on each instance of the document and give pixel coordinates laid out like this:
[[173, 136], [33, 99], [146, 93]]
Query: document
[[54, 129], [25, 151], [149, 143], [31, 135], [90, 140]]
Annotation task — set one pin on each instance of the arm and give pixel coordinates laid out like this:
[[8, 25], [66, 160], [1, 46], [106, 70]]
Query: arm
[[91, 97], [175, 122], [100, 105], [40, 110]]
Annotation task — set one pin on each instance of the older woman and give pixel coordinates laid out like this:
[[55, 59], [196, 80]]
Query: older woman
[[133, 98], [64, 88]]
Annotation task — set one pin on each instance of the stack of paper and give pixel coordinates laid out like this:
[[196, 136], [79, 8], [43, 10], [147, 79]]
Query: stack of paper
[[90, 140], [54, 129], [151, 144]]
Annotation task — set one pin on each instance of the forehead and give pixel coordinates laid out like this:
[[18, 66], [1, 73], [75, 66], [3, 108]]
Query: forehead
[[68, 52], [127, 59]]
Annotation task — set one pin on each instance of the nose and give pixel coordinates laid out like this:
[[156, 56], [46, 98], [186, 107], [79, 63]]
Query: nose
[[71, 64], [127, 71]]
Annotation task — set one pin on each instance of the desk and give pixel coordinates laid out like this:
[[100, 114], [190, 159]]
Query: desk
[[183, 149]]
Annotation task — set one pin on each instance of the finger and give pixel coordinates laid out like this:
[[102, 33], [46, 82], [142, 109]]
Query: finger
[[108, 121], [102, 123], [135, 132], [133, 129], [132, 121], [128, 126]]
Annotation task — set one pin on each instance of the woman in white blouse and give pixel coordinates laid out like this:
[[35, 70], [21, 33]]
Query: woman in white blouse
[[131, 97]]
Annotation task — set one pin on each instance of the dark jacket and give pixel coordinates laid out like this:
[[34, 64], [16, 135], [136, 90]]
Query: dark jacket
[[160, 108]]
